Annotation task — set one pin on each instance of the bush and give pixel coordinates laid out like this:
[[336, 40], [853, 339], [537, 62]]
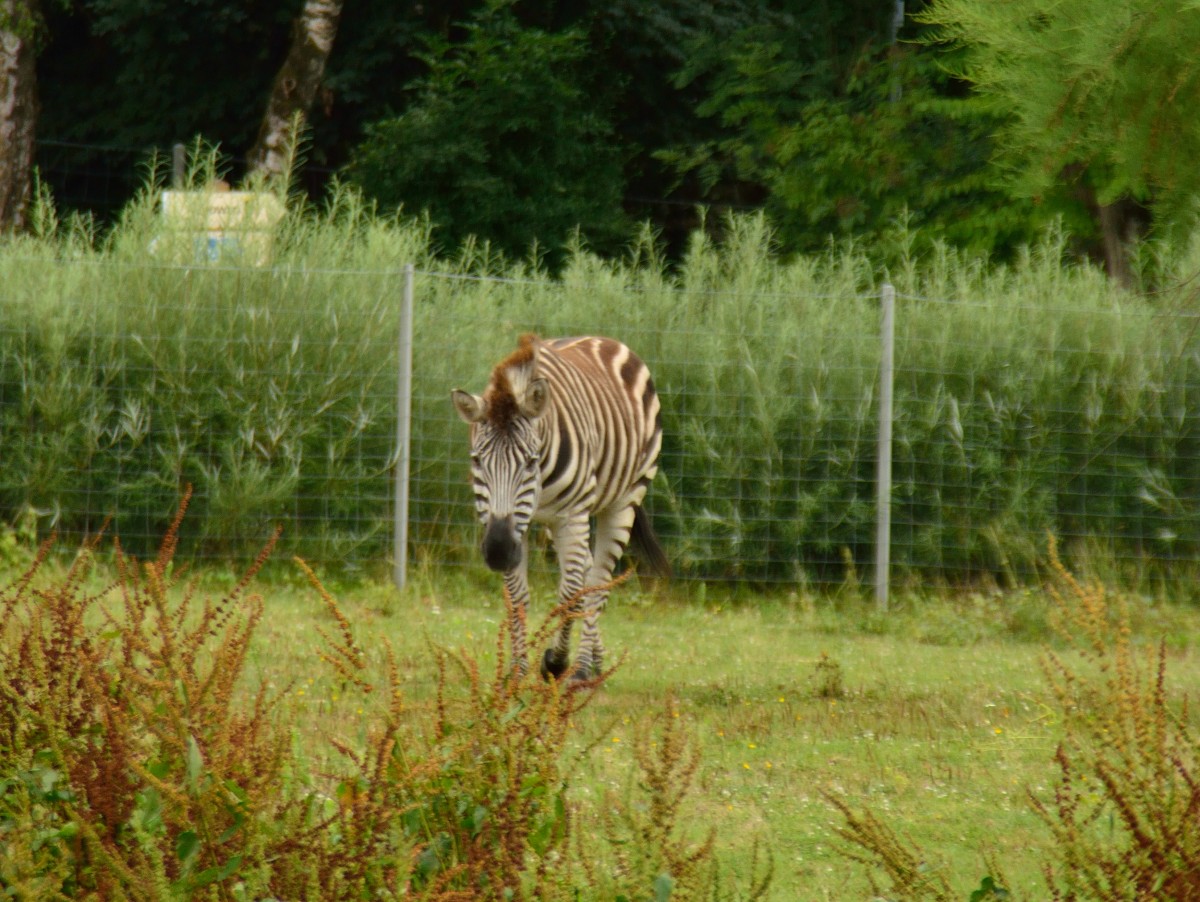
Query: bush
[[272, 391], [506, 142], [1129, 760]]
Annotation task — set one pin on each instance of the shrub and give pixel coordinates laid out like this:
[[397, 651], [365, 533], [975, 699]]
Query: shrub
[[648, 849], [1128, 760], [120, 739], [507, 139]]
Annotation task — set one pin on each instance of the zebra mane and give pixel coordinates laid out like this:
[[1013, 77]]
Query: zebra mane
[[501, 395]]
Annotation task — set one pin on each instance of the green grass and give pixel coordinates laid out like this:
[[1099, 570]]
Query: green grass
[[935, 716]]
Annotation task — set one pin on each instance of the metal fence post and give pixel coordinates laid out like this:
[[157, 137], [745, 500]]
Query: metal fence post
[[883, 480], [403, 433]]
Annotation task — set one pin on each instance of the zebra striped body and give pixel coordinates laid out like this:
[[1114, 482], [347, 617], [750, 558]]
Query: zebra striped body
[[566, 431]]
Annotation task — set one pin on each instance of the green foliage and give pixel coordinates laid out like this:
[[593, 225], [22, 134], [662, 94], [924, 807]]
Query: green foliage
[[636, 48], [170, 71], [769, 417], [135, 401], [885, 141], [505, 143], [1030, 396], [515, 130], [21, 20], [18, 540], [894, 148], [173, 72], [989, 889], [1106, 89]]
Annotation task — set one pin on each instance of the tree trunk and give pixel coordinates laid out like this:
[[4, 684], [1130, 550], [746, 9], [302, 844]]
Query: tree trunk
[[18, 109], [1118, 229], [295, 86], [1121, 223]]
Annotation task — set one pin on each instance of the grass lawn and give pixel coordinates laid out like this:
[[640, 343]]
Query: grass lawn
[[935, 716]]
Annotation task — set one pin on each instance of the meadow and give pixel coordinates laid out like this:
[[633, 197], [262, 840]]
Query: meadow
[[788, 725], [936, 717], [177, 733]]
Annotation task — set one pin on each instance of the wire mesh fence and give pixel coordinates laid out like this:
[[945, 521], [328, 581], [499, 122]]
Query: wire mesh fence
[[270, 392], [273, 392]]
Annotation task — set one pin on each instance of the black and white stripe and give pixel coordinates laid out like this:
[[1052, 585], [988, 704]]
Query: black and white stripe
[[567, 430]]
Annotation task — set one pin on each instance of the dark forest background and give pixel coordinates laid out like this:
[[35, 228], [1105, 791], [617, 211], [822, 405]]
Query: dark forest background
[[520, 122]]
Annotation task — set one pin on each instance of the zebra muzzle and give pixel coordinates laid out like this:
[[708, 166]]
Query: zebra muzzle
[[501, 547]]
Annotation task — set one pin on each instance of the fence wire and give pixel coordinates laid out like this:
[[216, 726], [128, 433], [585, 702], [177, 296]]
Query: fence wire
[[273, 393]]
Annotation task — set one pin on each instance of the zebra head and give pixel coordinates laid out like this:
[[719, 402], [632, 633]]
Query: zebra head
[[506, 457]]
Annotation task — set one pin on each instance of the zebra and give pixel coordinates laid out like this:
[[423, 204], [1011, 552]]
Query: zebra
[[568, 430]]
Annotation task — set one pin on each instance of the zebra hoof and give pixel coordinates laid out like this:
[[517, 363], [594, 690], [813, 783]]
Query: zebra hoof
[[582, 675], [552, 667]]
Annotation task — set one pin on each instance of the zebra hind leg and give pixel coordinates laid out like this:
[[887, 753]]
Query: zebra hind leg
[[612, 535], [590, 663]]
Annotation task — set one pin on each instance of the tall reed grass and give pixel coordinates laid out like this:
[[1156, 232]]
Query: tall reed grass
[[1030, 398]]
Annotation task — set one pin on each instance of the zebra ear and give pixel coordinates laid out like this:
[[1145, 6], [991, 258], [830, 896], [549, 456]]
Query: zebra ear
[[471, 408], [537, 396]]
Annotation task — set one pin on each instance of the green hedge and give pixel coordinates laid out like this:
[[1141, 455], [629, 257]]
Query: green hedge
[[1030, 398]]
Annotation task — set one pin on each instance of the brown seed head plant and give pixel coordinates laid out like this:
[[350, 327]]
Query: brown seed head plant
[[873, 843], [651, 854], [1124, 820], [120, 741], [492, 816], [1126, 811], [138, 761]]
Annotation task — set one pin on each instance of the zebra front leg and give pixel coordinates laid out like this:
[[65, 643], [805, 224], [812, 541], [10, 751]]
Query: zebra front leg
[[574, 561], [612, 535], [516, 584]]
